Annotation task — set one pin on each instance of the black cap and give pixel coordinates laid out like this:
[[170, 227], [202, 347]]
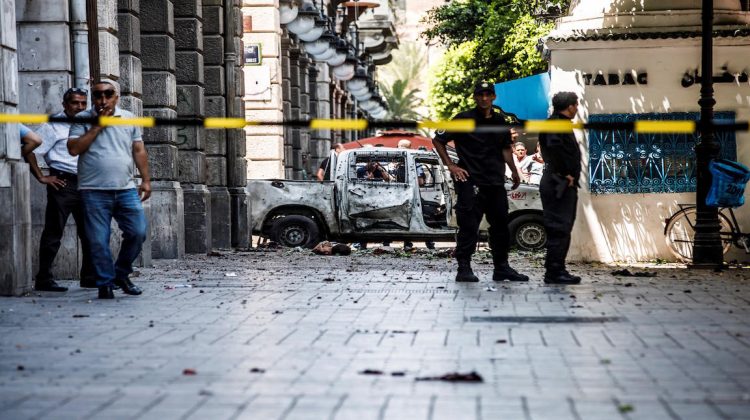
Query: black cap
[[484, 86]]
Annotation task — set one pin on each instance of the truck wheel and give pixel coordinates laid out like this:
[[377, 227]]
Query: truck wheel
[[527, 232], [294, 231]]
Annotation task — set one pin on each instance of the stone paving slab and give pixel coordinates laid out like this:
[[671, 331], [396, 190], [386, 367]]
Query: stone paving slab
[[291, 335]]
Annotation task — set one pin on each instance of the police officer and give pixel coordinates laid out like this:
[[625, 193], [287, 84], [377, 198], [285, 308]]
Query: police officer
[[480, 184], [559, 189]]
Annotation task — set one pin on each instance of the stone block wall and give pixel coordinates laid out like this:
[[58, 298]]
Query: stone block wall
[[15, 217]]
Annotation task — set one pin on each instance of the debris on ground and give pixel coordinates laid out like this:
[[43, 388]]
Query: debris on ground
[[257, 370], [270, 245], [80, 316], [371, 372], [332, 248], [471, 377], [625, 408], [490, 289], [177, 286], [627, 273], [382, 251], [189, 372], [214, 254], [329, 279], [230, 274], [398, 373]]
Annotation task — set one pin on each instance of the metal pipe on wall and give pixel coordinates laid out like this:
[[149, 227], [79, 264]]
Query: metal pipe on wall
[[81, 73]]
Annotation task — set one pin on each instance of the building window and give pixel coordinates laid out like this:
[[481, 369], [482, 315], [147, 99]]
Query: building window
[[624, 162]]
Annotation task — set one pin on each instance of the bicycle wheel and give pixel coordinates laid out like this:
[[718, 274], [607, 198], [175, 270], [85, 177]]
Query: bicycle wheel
[[680, 233]]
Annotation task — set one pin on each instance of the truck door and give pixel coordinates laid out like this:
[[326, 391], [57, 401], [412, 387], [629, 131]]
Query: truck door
[[376, 194]]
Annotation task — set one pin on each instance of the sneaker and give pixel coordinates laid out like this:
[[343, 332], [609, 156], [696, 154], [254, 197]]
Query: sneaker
[[507, 272]]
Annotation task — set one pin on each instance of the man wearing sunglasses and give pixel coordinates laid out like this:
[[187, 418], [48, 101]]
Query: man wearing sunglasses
[[63, 198], [106, 181]]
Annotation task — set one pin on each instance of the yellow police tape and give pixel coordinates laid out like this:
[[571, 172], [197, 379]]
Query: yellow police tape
[[460, 125], [323, 124], [656, 127]]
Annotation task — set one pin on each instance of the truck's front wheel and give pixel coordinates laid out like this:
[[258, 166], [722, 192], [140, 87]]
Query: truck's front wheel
[[294, 231], [527, 232]]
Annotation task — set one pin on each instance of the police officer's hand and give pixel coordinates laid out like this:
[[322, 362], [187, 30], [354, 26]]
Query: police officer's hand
[[460, 174], [516, 180], [570, 179]]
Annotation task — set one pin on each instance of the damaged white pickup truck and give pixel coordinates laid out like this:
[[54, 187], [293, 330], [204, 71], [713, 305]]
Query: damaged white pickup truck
[[378, 194]]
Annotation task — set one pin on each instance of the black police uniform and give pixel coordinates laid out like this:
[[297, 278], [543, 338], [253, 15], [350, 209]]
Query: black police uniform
[[562, 157], [483, 193]]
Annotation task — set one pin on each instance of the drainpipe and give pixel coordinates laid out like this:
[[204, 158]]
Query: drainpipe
[[81, 73], [230, 57]]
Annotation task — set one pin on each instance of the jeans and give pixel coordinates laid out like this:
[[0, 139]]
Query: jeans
[[474, 202], [61, 203], [125, 207]]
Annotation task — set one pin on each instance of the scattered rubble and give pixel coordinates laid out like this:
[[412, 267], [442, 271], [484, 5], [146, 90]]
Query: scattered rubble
[[471, 377]]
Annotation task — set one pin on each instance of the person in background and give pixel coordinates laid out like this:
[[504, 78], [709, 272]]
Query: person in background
[[63, 197], [324, 171], [108, 156], [536, 167]]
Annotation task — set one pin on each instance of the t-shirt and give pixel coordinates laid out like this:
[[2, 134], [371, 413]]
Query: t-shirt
[[481, 154], [108, 164], [325, 166], [54, 148], [23, 131]]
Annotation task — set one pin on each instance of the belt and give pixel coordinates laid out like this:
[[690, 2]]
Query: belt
[[63, 175]]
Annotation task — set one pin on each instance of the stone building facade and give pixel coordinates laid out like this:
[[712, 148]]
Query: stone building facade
[[290, 84], [638, 59], [172, 58]]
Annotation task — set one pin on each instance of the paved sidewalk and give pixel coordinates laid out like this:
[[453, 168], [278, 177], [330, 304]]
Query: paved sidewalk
[[292, 335]]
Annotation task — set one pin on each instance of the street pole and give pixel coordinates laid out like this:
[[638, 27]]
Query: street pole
[[707, 250]]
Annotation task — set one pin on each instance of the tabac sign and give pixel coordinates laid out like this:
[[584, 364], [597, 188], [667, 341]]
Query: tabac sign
[[624, 78]]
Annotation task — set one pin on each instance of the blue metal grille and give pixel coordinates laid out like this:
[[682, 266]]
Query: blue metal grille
[[624, 162]]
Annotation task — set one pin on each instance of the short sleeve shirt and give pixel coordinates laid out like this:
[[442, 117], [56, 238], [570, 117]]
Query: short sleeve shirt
[[23, 131], [108, 164], [481, 154]]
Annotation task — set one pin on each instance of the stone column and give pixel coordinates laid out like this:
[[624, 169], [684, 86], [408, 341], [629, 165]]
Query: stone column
[[160, 100], [15, 219], [191, 140], [294, 159], [236, 150], [263, 98], [321, 139], [215, 106], [286, 106]]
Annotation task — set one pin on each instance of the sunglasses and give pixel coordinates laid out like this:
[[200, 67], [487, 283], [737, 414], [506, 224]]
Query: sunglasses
[[76, 91], [98, 94]]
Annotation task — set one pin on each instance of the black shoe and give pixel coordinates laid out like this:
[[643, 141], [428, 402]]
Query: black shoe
[[560, 277], [465, 273], [573, 276], [49, 286], [128, 287], [105, 292], [89, 283], [506, 272]]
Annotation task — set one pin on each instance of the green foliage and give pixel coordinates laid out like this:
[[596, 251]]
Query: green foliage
[[451, 79], [493, 40], [402, 101]]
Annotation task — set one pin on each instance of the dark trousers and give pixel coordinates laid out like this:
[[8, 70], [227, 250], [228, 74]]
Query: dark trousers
[[60, 205], [474, 202], [559, 216]]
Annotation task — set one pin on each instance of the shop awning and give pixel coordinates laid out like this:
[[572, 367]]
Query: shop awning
[[528, 97]]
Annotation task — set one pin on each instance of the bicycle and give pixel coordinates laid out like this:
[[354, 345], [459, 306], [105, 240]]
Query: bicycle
[[680, 231]]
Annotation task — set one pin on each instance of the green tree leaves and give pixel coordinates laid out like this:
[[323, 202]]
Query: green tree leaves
[[493, 40]]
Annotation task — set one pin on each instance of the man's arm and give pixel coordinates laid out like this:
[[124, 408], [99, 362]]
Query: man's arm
[[141, 162], [77, 146], [320, 174], [459, 173], [30, 142], [508, 157]]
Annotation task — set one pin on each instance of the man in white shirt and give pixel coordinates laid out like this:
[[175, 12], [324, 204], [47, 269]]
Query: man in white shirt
[[63, 198]]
